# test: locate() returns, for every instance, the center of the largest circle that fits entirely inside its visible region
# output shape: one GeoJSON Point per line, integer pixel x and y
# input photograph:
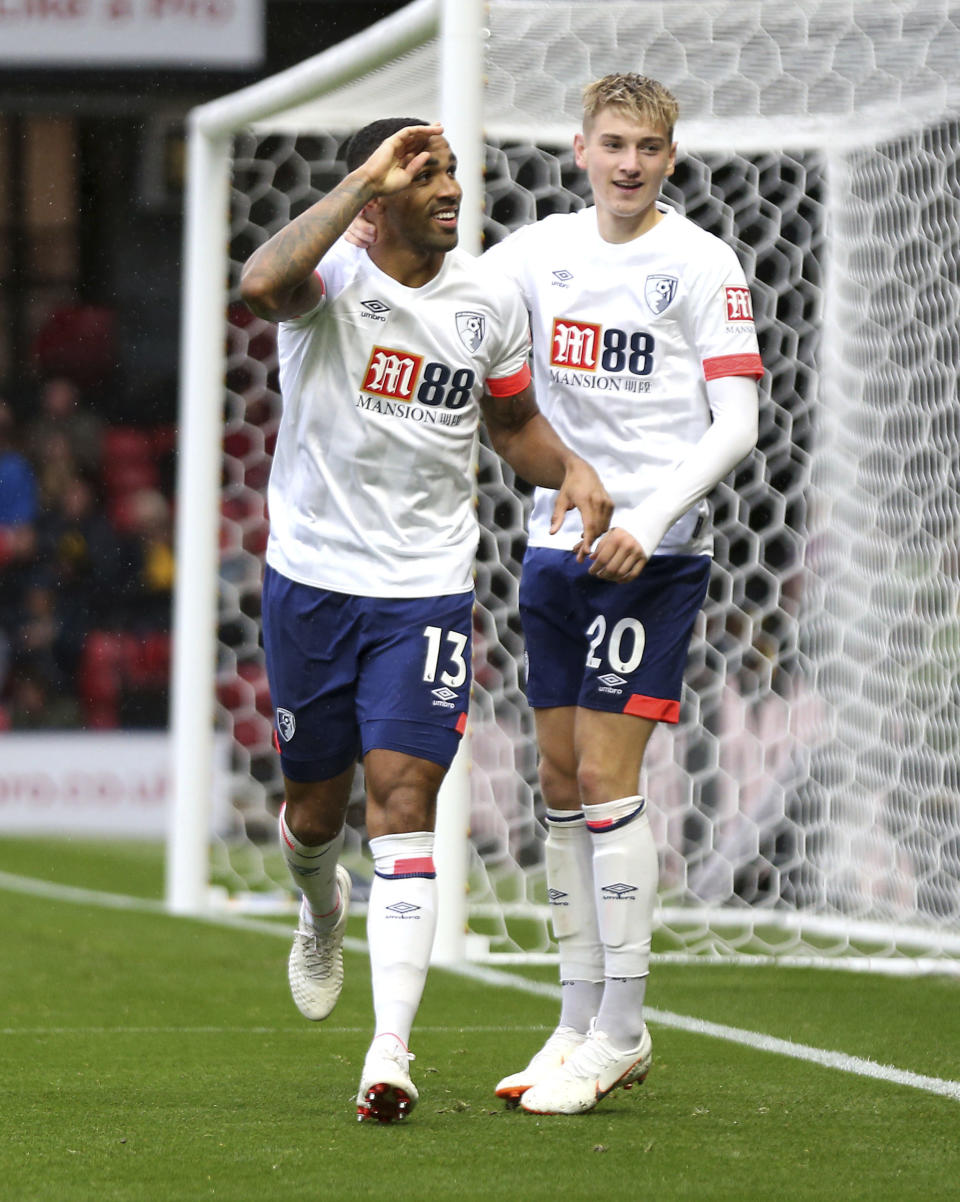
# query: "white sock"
{"type": "Point", "coordinates": [401, 921]}
{"type": "Point", "coordinates": [569, 861]}
{"type": "Point", "coordinates": [626, 874]}
{"type": "Point", "coordinates": [621, 1010]}
{"type": "Point", "coordinates": [314, 872]}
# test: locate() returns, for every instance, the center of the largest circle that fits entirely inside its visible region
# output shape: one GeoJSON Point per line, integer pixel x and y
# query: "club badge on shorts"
{"type": "Point", "coordinates": [286, 724]}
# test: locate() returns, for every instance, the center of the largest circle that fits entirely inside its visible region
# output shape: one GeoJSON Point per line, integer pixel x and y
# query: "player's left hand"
{"type": "Point", "coordinates": [618, 557]}
{"type": "Point", "coordinates": [581, 489]}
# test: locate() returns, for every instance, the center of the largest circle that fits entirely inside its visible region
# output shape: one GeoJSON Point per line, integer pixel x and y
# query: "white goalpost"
{"type": "Point", "coordinates": [808, 804]}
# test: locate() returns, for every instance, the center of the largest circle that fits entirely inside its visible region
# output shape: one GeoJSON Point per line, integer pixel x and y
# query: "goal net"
{"type": "Point", "coordinates": [809, 801]}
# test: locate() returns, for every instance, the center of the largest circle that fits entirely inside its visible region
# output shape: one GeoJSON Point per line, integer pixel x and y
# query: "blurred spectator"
{"type": "Point", "coordinates": [60, 410]}
{"type": "Point", "coordinates": [73, 580]}
{"type": "Point", "coordinates": [55, 468]}
{"type": "Point", "coordinates": [82, 555]}
{"type": "Point", "coordinates": [18, 495]}
{"type": "Point", "coordinates": [38, 633]}
{"type": "Point", "coordinates": [149, 555]}
{"type": "Point", "coordinates": [18, 515]}
{"type": "Point", "coordinates": [38, 703]}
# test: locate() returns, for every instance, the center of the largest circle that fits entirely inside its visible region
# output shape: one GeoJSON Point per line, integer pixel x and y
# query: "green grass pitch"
{"type": "Point", "coordinates": [148, 1058]}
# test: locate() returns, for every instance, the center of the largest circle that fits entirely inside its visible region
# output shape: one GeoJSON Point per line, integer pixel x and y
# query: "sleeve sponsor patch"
{"type": "Point", "coordinates": [738, 304]}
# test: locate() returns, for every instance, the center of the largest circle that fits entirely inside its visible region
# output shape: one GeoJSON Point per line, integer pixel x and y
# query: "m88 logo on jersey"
{"type": "Point", "coordinates": [392, 373]}
{"type": "Point", "coordinates": [585, 347]}
{"type": "Point", "coordinates": [575, 344]}
{"type": "Point", "coordinates": [395, 375]}
{"type": "Point", "coordinates": [739, 306]}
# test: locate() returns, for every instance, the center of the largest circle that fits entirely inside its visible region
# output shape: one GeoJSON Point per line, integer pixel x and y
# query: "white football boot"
{"type": "Point", "coordinates": [386, 1092]}
{"type": "Point", "coordinates": [553, 1053]}
{"type": "Point", "coordinates": [315, 967]}
{"type": "Point", "coordinates": [588, 1074]}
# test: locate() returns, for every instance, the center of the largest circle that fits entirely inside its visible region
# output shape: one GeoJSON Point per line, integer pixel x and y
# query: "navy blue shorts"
{"type": "Point", "coordinates": [348, 674]}
{"type": "Point", "coordinates": [621, 648]}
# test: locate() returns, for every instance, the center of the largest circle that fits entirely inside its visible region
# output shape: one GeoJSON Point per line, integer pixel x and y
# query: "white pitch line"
{"type": "Point", "coordinates": [752, 1039]}
{"type": "Point", "coordinates": [497, 977]}
{"type": "Point", "coordinates": [296, 1028]}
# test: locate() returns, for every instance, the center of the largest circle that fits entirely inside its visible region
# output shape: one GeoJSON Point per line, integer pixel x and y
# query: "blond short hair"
{"type": "Point", "coordinates": [636, 96]}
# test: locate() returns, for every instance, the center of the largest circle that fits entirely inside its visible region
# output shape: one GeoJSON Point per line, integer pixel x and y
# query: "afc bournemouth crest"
{"type": "Point", "coordinates": [471, 327]}
{"type": "Point", "coordinates": [659, 291]}
{"type": "Point", "coordinates": [286, 724]}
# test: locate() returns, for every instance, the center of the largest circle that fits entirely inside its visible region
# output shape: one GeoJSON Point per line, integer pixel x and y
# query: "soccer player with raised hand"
{"type": "Point", "coordinates": [389, 358]}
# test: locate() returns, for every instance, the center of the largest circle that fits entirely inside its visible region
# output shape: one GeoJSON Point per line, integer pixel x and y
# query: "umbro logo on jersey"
{"type": "Point", "coordinates": [659, 291]}
{"type": "Point", "coordinates": [471, 327]}
{"type": "Point", "coordinates": [286, 724]}
{"type": "Point", "coordinates": [375, 308]}
{"type": "Point", "coordinates": [562, 277]}
{"type": "Point", "coordinates": [618, 892]}
{"type": "Point", "coordinates": [403, 909]}
{"type": "Point", "coordinates": [611, 679]}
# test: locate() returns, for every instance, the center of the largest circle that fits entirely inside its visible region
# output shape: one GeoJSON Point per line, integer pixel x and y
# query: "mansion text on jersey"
{"type": "Point", "coordinates": [586, 379]}
{"type": "Point", "coordinates": [403, 409]}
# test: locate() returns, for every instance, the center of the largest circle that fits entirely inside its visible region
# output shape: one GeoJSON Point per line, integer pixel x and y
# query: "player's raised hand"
{"type": "Point", "coordinates": [582, 489]}
{"type": "Point", "coordinates": [395, 163]}
{"type": "Point", "coordinates": [618, 556]}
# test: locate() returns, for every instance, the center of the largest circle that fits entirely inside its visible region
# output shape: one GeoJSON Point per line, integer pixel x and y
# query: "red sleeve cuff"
{"type": "Point", "coordinates": [510, 385]}
{"type": "Point", "coordinates": [732, 365]}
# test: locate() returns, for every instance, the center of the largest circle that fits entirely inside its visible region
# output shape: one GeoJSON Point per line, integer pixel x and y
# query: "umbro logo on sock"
{"type": "Point", "coordinates": [618, 892]}
{"type": "Point", "coordinates": [404, 909]}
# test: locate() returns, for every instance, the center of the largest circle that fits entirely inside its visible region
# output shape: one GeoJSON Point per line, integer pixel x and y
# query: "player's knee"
{"type": "Point", "coordinates": [558, 785]}
{"type": "Point", "coordinates": [310, 819]}
{"type": "Point", "coordinates": [595, 782]}
{"type": "Point", "coordinates": [401, 808]}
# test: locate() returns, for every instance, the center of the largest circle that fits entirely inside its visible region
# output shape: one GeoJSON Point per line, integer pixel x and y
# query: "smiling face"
{"type": "Point", "coordinates": [626, 159]}
{"type": "Point", "coordinates": [424, 216]}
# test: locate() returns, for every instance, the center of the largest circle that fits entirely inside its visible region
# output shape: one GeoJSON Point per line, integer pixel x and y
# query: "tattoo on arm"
{"type": "Point", "coordinates": [304, 242]}
{"type": "Point", "coordinates": [276, 273]}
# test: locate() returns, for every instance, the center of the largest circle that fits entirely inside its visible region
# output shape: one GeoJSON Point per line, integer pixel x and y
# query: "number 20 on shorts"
{"type": "Point", "coordinates": [624, 647]}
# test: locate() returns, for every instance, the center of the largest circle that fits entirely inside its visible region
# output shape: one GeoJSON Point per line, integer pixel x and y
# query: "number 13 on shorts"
{"type": "Point", "coordinates": [454, 645]}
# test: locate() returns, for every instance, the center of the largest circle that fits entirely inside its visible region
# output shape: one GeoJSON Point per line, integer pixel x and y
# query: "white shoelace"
{"type": "Point", "coordinates": [319, 953]}
{"type": "Point", "coordinates": [594, 1055]}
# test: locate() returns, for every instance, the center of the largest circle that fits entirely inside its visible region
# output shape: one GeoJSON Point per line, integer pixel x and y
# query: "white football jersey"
{"type": "Point", "coordinates": [625, 336]}
{"type": "Point", "coordinates": [371, 488]}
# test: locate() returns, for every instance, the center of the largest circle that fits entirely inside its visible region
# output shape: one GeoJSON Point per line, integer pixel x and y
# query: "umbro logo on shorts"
{"type": "Point", "coordinates": [557, 897]}
{"type": "Point", "coordinates": [611, 679]}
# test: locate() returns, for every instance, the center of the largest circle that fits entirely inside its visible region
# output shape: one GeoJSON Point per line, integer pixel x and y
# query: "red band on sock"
{"type": "Point", "coordinates": [413, 866]}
